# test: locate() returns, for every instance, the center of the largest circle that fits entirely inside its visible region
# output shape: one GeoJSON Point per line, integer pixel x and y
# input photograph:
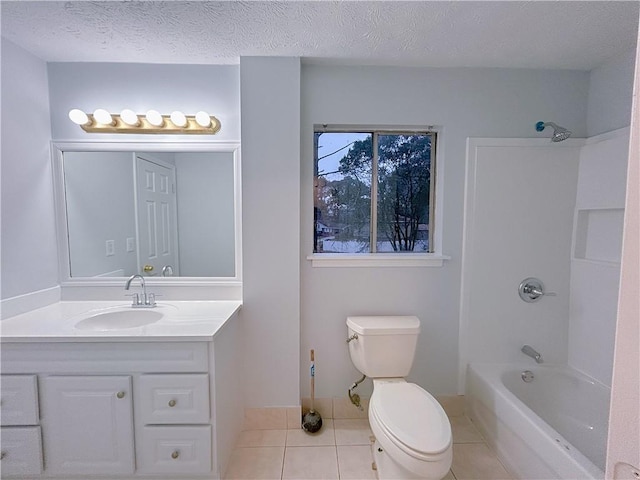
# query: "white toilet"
{"type": "Point", "coordinates": [412, 431]}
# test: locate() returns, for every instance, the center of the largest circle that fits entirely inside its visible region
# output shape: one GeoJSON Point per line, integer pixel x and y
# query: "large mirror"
{"type": "Point", "coordinates": [166, 211]}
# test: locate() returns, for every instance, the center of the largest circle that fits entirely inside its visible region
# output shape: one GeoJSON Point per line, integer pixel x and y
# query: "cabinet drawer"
{"type": "Point", "coordinates": [172, 399]}
{"type": "Point", "coordinates": [21, 451]}
{"type": "Point", "coordinates": [18, 400]}
{"type": "Point", "coordinates": [179, 450]}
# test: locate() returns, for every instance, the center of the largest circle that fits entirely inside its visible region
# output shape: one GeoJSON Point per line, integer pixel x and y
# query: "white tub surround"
{"type": "Point", "coordinates": [158, 401]}
{"type": "Point", "coordinates": [534, 240]}
{"type": "Point", "coordinates": [554, 427]}
{"type": "Point", "coordinates": [596, 253]}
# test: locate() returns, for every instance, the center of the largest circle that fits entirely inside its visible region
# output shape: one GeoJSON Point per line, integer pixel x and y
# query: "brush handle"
{"type": "Point", "coordinates": [313, 377]}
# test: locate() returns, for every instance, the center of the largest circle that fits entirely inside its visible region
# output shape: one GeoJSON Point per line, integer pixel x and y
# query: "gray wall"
{"type": "Point", "coordinates": [29, 252]}
{"type": "Point", "coordinates": [141, 87]}
{"type": "Point", "coordinates": [206, 214]}
{"type": "Point", "coordinates": [610, 90]}
{"type": "Point", "coordinates": [270, 89]}
{"type": "Point", "coordinates": [100, 207]}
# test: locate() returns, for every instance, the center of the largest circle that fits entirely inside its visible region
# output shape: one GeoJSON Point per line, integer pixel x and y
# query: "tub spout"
{"type": "Point", "coordinates": [529, 351]}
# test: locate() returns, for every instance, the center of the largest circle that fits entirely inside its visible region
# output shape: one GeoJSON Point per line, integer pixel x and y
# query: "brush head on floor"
{"type": "Point", "coordinates": [311, 422]}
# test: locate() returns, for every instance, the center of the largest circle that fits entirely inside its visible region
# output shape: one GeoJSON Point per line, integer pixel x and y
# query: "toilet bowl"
{"type": "Point", "coordinates": [412, 431]}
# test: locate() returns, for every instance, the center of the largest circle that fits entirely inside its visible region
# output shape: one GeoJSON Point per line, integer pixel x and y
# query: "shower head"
{"type": "Point", "coordinates": [559, 133]}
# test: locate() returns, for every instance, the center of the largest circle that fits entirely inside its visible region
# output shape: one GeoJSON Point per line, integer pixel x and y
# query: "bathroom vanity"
{"type": "Point", "coordinates": [99, 389]}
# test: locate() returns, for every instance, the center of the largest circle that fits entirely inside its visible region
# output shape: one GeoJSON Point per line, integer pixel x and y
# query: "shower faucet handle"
{"type": "Point", "coordinates": [531, 290]}
{"type": "Point", "coordinates": [535, 291]}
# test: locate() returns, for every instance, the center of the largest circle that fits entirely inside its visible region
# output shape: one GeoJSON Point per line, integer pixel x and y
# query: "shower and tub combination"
{"type": "Point", "coordinates": [536, 370]}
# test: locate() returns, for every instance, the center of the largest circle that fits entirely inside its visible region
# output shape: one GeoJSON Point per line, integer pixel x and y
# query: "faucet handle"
{"type": "Point", "coordinates": [135, 299]}
{"type": "Point", "coordinates": [150, 300]}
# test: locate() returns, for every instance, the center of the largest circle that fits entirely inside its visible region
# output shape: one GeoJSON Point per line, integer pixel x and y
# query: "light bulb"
{"type": "Point", "coordinates": [154, 118]}
{"type": "Point", "coordinates": [203, 119]}
{"type": "Point", "coordinates": [129, 117]}
{"type": "Point", "coordinates": [178, 119]}
{"type": "Point", "coordinates": [103, 117]}
{"type": "Point", "coordinates": [78, 117]}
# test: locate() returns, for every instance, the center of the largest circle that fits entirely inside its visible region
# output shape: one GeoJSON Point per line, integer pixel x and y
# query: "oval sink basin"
{"type": "Point", "coordinates": [119, 320]}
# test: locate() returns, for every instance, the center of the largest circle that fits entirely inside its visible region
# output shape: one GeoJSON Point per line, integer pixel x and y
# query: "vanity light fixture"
{"type": "Point", "coordinates": [101, 121]}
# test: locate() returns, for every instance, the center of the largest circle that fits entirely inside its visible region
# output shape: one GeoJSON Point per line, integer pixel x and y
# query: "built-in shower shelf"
{"type": "Point", "coordinates": [598, 235]}
{"type": "Point", "coordinates": [604, 263]}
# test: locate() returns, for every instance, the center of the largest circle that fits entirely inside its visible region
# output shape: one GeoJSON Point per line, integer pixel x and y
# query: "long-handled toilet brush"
{"type": "Point", "coordinates": [312, 421]}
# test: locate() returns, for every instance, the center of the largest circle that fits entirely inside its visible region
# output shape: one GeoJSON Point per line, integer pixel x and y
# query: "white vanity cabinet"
{"type": "Point", "coordinates": [120, 409]}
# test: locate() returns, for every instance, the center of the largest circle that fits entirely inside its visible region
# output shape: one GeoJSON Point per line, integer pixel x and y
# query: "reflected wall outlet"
{"type": "Point", "coordinates": [110, 247]}
{"type": "Point", "coordinates": [131, 244]}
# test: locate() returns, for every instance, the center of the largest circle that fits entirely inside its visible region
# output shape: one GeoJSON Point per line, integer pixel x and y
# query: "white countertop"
{"type": "Point", "coordinates": [181, 321]}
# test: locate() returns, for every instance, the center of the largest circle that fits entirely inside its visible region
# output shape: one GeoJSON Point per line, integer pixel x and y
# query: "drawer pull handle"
{"type": "Point", "coordinates": [120, 394]}
{"type": "Point", "coordinates": [175, 454]}
{"type": "Point", "coordinates": [172, 403]}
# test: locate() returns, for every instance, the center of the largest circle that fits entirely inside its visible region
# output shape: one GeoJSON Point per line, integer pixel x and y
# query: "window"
{"type": "Point", "coordinates": [395, 169]}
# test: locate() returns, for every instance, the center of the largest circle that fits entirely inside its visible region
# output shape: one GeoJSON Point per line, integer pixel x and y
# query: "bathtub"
{"type": "Point", "coordinates": [554, 427]}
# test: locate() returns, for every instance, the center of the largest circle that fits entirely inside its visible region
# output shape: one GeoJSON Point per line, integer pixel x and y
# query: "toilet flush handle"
{"type": "Point", "coordinates": [352, 337]}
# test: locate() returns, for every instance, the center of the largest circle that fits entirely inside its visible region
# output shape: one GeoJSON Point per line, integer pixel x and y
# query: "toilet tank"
{"type": "Point", "coordinates": [385, 345]}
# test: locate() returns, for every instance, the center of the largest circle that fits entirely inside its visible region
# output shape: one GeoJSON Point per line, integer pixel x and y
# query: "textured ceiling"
{"type": "Point", "coordinates": [527, 34]}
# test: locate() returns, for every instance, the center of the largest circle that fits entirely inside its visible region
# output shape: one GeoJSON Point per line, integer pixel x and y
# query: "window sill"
{"type": "Point", "coordinates": [377, 260]}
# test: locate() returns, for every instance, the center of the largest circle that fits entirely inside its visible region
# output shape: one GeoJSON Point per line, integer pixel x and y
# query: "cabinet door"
{"type": "Point", "coordinates": [87, 424]}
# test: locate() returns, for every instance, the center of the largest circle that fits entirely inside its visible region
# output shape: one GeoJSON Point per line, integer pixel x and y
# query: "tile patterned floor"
{"type": "Point", "coordinates": [341, 451]}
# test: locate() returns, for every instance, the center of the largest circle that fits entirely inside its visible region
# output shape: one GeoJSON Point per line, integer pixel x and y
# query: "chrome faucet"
{"type": "Point", "coordinates": [146, 301]}
{"type": "Point", "coordinates": [167, 271]}
{"type": "Point", "coordinates": [529, 351]}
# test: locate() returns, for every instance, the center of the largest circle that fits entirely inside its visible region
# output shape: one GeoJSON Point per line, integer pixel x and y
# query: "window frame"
{"type": "Point", "coordinates": [433, 258]}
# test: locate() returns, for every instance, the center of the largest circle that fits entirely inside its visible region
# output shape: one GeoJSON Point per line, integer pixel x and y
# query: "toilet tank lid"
{"type": "Point", "coordinates": [384, 325]}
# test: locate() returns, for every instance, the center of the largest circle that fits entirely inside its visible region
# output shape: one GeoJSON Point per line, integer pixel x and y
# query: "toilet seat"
{"type": "Point", "coordinates": [411, 419]}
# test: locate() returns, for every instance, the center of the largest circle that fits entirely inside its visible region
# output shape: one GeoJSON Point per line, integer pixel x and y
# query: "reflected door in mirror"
{"type": "Point", "coordinates": [157, 223]}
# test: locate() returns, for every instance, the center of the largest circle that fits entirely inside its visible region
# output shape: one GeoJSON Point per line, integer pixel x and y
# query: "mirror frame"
{"type": "Point", "coordinates": [64, 264]}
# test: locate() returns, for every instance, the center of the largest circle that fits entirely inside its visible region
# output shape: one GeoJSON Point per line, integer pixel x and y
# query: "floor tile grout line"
{"type": "Point", "coordinates": [284, 455]}
{"type": "Point", "coordinates": [335, 446]}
